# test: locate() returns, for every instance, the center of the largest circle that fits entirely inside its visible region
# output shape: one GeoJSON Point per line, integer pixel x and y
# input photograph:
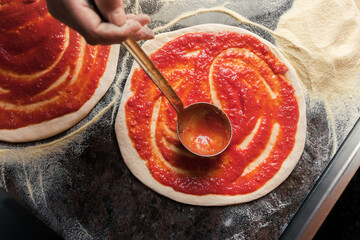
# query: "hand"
{"type": "Point", "coordinates": [81, 17]}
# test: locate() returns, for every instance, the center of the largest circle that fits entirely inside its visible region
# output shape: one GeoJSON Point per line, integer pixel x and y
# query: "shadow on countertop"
{"type": "Point", "coordinates": [343, 222]}
{"type": "Point", "coordinates": [16, 222]}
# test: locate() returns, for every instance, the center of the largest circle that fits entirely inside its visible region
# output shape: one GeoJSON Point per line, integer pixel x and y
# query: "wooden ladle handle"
{"type": "Point", "coordinates": [148, 66]}
{"type": "Point", "coordinates": [150, 69]}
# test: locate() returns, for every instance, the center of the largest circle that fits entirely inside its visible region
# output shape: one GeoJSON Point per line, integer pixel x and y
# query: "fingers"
{"type": "Point", "coordinates": [112, 10]}
{"type": "Point", "coordinates": [99, 32]}
{"type": "Point", "coordinates": [81, 17]}
{"type": "Point", "coordinates": [144, 33]}
{"type": "Point", "coordinates": [108, 33]}
{"type": "Point", "coordinates": [143, 19]}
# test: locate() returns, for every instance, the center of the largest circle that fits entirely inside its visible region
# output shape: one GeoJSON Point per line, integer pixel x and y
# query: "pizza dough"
{"type": "Point", "coordinates": [140, 167]}
{"type": "Point", "coordinates": [55, 126]}
{"type": "Point", "coordinates": [52, 69]}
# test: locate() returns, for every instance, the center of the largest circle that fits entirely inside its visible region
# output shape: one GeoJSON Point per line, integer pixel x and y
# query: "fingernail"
{"type": "Point", "coordinates": [144, 34]}
{"type": "Point", "coordinates": [149, 33]}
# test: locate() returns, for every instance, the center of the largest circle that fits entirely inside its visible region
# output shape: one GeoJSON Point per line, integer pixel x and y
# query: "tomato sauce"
{"type": "Point", "coordinates": [46, 69]}
{"type": "Point", "coordinates": [251, 86]}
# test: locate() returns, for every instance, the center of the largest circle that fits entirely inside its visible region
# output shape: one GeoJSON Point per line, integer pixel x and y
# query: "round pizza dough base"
{"type": "Point", "coordinates": [57, 125]}
{"type": "Point", "coordinates": [137, 165]}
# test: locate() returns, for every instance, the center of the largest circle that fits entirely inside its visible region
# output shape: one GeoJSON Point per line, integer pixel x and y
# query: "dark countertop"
{"type": "Point", "coordinates": [78, 184]}
{"type": "Point", "coordinates": [342, 223]}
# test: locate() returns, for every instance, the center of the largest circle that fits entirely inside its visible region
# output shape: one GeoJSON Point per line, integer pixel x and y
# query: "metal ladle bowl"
{"type": "Point", "coordinates": [203, 117]}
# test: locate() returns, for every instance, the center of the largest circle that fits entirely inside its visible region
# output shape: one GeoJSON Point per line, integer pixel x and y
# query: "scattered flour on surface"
{"type": "Point", "coordinates": [322, 41]}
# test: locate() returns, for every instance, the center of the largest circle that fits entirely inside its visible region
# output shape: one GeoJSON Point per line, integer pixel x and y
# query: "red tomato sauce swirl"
{"type": "Point", "coordinates": [46, 69]}
{"type": "Point", "coordinates": [249, 82]}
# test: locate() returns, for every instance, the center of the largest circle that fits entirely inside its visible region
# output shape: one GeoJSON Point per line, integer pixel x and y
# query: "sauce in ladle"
{"type": "Point", "coordinates": [204, 129]}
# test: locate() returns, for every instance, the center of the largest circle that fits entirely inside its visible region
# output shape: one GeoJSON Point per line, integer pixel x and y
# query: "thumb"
{"type": "Point", "coordinates": [112, 10]}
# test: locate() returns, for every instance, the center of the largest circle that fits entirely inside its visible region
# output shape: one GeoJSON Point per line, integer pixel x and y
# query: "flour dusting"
{"type": "Point", "coordinates": [323, 45]}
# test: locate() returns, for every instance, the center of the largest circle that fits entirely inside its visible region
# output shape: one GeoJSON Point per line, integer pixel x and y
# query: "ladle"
{"type": "Point", "coordinates": [203, 128]}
